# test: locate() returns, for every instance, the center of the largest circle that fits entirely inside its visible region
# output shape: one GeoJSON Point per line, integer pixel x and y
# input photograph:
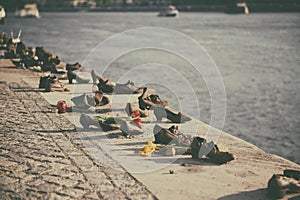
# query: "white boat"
{"type": "Point", "coordinates": [2, 14]}
{"type": "Point", "coordinates": [244, 7]}
{"type": "Point", "coordinates": [170, 11]}
{"type": "Point", "coordinates": [29, 10]}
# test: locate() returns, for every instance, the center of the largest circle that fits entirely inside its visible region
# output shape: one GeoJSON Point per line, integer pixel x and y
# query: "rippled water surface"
{"type": "Point", "coordinates": [257, 56]}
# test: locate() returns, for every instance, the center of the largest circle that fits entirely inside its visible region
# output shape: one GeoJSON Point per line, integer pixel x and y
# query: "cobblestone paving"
{"type": "Point", "coordinates": [42, 157]}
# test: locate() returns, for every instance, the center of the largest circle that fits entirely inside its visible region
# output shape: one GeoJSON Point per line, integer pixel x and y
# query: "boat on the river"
{"type": "Point", "coordinates": [29, 10]}
{"type": "Point", "coordinates": [170, 11]}
{"type": "Point", "coordinates": [235, 7]}
{"type": "Point", "coordinates": [2, 14]}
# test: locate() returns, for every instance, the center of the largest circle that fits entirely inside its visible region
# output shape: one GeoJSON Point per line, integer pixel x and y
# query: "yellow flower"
{"type": "Point", "coordinates": [148, 149]}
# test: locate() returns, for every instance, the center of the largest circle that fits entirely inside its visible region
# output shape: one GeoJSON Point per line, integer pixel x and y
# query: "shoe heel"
{"type": "Point", "coordinates": [159, 113]}
{"type": "Point", "coordinates": [70, 77]}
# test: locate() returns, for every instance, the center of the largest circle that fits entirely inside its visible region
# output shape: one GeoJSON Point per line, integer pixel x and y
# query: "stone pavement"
{"type": "Point", "coordinates": [42, 157]}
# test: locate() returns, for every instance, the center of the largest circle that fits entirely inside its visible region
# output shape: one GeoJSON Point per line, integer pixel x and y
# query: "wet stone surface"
{"type": "Point", "coordinates": [42, 158]}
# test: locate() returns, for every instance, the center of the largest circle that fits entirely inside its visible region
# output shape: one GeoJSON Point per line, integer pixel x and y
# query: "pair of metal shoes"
{"type": "Point", "coordinates": [147, 101]}
{"type": "Point", "coordinates": [89, 100]}
{"type": "Point", "coordinates": [52, 84]}
{"type": "Point", "coordinates": [171, 136]}
{"type": "Point", "coordinates": [202, 149]}
{"type": "Point", "coordinates": [73, 75]}
{"type": "Point", "coordinates": [153, 102]}
{"type": "Point", "coordinates": [164, 112]}
{"type": "Point", "coordinates": [281, 184]}
{"type": "Point", "coordinates": [125, 126]}
{"type": "Point", "coordinates": [118, 88]}
{"type": "Point", "coordinates": [110, 87]}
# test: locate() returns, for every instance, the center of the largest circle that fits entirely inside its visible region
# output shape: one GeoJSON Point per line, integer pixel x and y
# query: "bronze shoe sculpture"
{"type": "Point", "coordinates": [202, 149]}
{"type": "Point", "coordinates": [163, 112]}
{"type": "Point", "coordinates": [281, 184]}
{"type": "Point", "coordinates": [87, 121]}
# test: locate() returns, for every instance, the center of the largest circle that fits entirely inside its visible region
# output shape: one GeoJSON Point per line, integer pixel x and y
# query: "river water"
{"type": "Point", "coordinates": [257, 56]}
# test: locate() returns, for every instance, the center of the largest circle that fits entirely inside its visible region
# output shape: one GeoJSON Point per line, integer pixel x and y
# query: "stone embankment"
{"type": "Point", "coordinates": [45, 155]}
{"type": "Point", "coordinates": [42, 157]}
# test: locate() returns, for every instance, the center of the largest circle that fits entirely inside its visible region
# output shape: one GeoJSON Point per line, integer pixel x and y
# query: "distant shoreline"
{"type": "Point", "coordinates": [261, 8]}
